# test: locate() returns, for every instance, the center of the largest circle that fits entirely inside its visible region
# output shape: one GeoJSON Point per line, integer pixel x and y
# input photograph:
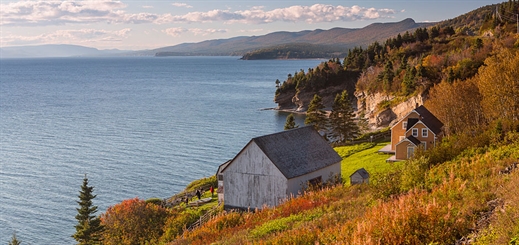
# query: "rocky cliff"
{"type": "Point", "coordinates": [382, 110]}
{"type": "Point", "coordinates": [379, 109]}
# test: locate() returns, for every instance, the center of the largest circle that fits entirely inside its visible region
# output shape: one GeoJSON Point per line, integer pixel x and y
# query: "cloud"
{"type": "Point", "coordinates": [147, 7]}
{"type": "Point", "coordinates": [60, 12]}
{"type": "Point", "coordinates": [185, 5]}
{"type": "Point", "coordinates": [85, 36]}
{"type": "Point", "coordinates": [177, 31]}
{"type": "Point", "coordinates": [112, 11]}
{"type": "Point", "coordinates": [257, 15]}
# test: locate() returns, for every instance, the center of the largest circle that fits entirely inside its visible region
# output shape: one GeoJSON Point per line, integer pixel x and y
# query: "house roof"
{"type": "Point", "coordinates": [411, 122]}
{"type": "Point", "coordinates": [429, 119]}
{"type": "Point", "coordinates": [363, 173]}
{"type": "Point", "coordinates": [413, 140]}
{"type": "Point", "coordinates": [297, 151]}
{"type": "Point", "coordinates": [222, 166]}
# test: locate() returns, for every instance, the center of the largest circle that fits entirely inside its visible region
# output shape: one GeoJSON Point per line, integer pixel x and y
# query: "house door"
{"type": "Point", "coordinates": [410, 151]}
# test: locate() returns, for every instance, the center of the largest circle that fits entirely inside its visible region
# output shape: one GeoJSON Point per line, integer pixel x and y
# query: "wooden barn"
{"type": "Point", "coordinates": [272, 168]}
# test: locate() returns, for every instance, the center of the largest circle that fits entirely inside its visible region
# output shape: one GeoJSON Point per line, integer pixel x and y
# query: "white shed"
{"type": "Point", "coordinates": [359, 177]}
{"type": "Point", "coordinates": [272, 168]}
{"type": "Point", "coordinates": [219, 178]}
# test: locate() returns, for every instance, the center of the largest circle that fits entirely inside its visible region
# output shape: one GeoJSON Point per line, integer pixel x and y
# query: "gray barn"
{"type": "Point", "coordinates": [272, 168]}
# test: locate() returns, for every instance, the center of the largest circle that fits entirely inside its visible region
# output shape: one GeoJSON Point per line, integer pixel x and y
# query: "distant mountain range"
{"type": "Point", "coordinates": [55, 50]}
{"type": "Point", "coordinates": [333, 40]}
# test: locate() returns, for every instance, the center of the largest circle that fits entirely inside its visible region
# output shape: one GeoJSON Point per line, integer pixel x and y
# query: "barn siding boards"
{"type": "Point", "coordinates": [272, 168]}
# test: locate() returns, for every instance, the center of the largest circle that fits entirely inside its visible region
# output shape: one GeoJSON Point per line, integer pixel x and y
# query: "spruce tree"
{"type": "Point", "coordinates": [291, 122]}
{"type": "Point", "coordinates": [315, 114]}
{"type": "Point", "coordinates": [89, 228]}
{"type": "Point", "coordinates": [14, 240]}
{"type": "Point", "coordinates": [342, 119]}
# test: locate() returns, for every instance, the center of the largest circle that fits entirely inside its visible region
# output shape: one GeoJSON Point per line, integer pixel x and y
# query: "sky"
{"type": "Point", "coordinates": [138, 24]}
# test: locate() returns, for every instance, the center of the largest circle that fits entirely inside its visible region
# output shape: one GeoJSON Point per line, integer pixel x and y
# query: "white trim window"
{"type": "Point", "coordinates": [404, 125]}
{"type": "Point", "coordinates": [425, 132]}
{"type": "Point", "coordinates": [415, 132]}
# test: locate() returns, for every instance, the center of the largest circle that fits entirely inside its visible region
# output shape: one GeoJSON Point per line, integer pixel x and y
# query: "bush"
{"type": "Point", "coordinates": [133, 221]}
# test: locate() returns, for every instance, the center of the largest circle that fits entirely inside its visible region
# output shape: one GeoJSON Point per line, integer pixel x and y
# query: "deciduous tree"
{"type": "Point", "coordinates": [457, 105]}
{"type": "Point", "coordinates": [498, 82]}
{"type": "Point", "coordinates": [89, 228]}
{"type": "Point", "coordinates": [133, 221]}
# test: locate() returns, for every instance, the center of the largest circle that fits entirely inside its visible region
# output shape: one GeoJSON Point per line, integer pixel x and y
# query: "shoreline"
{"type": "Point", "coordinates": [284, 110]}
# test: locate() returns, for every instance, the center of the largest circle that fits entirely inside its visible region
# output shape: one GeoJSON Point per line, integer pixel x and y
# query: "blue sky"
{"type": "Point", "coordinates": [136, 24]}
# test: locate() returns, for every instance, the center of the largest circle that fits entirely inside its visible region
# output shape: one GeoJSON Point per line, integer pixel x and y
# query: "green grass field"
{"type": "Point", "coordinates": [363, 156]}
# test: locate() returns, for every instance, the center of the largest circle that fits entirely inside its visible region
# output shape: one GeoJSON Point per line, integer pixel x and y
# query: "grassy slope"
{"type": "Point", "coordinates": [363, 156]}
{"type": "Point", "coordinates": [453, 197]}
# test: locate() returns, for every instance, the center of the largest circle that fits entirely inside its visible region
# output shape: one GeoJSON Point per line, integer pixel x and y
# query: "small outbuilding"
{"type": "Point", "coordinates": [360, 176]}
{"type": "Point", "coordinates": [272, 168]}
{"type": "Point", "coordinates": [219, 178]}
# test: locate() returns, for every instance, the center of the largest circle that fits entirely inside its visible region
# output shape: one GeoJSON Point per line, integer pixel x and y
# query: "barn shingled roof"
{"type": "Point", "coordinates": [298, 151]}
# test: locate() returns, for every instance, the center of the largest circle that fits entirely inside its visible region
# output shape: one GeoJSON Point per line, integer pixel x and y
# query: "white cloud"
{"type": "Point", "coordinates": [84, 36]}
{"type": "Point", "coordinates": [297, 13]}
{"type": "Point", "coordinates": [112, 11]}
{"type": "Point", "coordinates": [177, 31]}
{"type": "Point", "coordinates": [60, 12]}
{"type": "Point", "coordinates": [205, 32]}
{"type": "Point", "coordinates": [185, 5]}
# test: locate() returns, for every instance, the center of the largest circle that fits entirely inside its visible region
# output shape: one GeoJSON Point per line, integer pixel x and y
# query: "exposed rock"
{"type": "Point", "coordinates": [369, 105]}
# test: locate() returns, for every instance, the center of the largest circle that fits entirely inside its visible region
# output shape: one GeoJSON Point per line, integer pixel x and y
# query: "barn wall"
{"type": "Point", "coordinates": [297, 184]}
{"type": "Point", "coordinates": [252, 180]}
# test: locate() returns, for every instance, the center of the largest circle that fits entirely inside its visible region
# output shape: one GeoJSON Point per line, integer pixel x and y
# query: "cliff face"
{"type": "Point", "coordinates": [291, 101]}
{"type": "Point", "coordinates": [369, 105]}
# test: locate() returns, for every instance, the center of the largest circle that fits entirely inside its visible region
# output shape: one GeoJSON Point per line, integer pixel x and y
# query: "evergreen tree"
{"type": "Point", "coordinates": [315, 114]}
{"type": "Point", "coordinates": [388, 76]}
{"type": "Point", "coordinates": [291, 122]}
{"type": "Point", "coordinates": [342, 119]}
{"type": "Point", "coordinates": [89, 228]}
{"type": "Point", "coordinates": [14, 240]}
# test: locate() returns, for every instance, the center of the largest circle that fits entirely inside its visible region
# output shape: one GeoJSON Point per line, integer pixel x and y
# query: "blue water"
{"type": "Point", "coordinates": [139, 127]}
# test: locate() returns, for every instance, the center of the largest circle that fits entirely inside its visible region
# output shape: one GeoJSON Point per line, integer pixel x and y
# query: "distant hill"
{"type": "Point", "coordinates": [333, 39]}
{"type": "Point", "coordinates": [54, 50]}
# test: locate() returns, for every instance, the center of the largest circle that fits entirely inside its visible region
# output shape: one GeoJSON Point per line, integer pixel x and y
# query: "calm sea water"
{"type": "Point", "coordinates": [139, 127]}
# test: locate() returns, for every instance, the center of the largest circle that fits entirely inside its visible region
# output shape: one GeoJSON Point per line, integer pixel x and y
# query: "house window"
{"type": "Point", "coordinates": [404, 125]}
{"type": "Point", "coordinates": [220, 177]}
{"type": "Point", "coordinates": [425, 132]}
{"type": "Point", "coordinates": [415, 132]}
{"type": "Point", "coordinates": [423, 145]}
{"type": "Point", "coordinates": [315, 181]}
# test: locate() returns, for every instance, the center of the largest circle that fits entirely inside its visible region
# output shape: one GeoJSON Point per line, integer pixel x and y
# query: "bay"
{"type": "Point", "coordinates": [138, 126]}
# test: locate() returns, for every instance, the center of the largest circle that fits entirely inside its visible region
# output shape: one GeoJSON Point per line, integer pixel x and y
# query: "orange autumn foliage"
{"type": "Point", "coordinates": [133, 221]}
